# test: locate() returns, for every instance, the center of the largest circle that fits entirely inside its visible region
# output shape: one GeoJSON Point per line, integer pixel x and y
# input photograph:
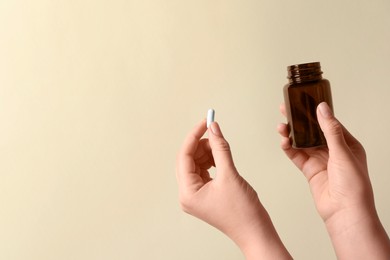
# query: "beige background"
{"type": "Point", "coordinates": [97, 96]}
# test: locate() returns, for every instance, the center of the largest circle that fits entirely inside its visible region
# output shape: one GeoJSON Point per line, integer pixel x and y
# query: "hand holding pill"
{"type": "Point", "coordinates": [227, 201]}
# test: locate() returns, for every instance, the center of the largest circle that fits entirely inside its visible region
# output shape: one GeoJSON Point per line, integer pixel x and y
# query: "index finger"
{"type": "Point", "coordinates": [282, 109]}
{"type": "Point", "coordinates": [185, 159]}
{"type": "Point", "coordinates": [191, 142]}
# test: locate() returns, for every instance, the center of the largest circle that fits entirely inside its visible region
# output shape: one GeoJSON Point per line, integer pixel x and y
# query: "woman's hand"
{"type": "Point", "coordinates": [341, 188]}
{"type": "Point", "coordinates": [226, 201]}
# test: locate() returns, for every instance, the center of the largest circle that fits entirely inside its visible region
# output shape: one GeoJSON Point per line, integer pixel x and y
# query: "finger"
{"type": "Point", "coordinates": [191, 142]}
{"type": "Point", "coordinates": [203, 149]}
{"type": "Point", "coordinates": [204, 159]}
{"type": "Point", "coordinates": [206, 165]}
{"type": "Point", "coordinates": [221, 151]}
{"type": "Point", "coordinates": [282, 109]}
{"type": "Point", "coordinates": [298, 157]}
{"type": "Point", "coordinates": [186, 173]}
{"type": "Point", "coordinates": [333, 131]}
{"type": "Point", "coordinates": [283, 130]}
{"type": "Point", "coordinates": [203, 155]}
{"type": "Point", "coordinates": [284, 133]}
{"type": "Point", "coordinates": [204, 174]}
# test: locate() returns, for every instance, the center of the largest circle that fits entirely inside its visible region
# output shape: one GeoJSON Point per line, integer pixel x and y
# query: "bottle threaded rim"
{"type": "Point", "coordinates": [305, 72]}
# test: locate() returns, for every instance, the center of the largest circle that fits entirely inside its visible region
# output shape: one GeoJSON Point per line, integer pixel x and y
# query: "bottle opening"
{"type": "Point", "coordinates": [305, 72]}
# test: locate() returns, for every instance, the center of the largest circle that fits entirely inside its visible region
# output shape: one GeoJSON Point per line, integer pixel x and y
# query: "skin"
{"type": "Point", "coordinates": [226, 202]}
{"type": "Point", "coordinates": [337, 176]}
{"type": "Point", "coordinates": [339, 182]}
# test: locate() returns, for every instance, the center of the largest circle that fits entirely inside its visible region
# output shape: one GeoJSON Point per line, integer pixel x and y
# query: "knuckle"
{"type": "Point", "coordinates": [334, 127]}
{"type": "Point", "coordinates": [223, 145]}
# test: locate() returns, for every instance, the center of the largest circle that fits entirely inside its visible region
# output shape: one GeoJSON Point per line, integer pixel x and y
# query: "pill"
{"type": "Point", "coordinates": [210, 117]}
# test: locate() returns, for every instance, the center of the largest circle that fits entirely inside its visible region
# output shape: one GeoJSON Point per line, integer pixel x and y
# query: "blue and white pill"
{"type": "Point", "coordinates": [210, 117]}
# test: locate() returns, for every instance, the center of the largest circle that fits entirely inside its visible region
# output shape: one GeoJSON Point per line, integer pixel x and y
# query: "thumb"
{"type": "Point", "coordinates": [333, 130]}
{"type": "Point", "coordinates": [221, 150]}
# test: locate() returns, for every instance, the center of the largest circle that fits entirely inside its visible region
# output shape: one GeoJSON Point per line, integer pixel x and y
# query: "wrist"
{"type": "Point", "coordinates": [267, 247]}
{"type": "Point", "coordinates": [259, 240]}
{"type": "Point", "coordinates": [348, 220]}
{"type": "Point", "coordinates": [358, 234]}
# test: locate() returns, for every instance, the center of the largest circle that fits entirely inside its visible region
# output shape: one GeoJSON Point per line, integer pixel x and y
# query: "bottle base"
{"type": "Point", "coordinates": [309, 146]}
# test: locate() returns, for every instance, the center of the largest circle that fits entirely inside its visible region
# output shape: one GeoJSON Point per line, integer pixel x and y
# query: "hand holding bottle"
{"type": "Point", "coordinates": [341, 188]}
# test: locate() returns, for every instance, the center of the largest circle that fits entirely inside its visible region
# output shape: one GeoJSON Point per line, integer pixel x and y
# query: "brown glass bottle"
{"type": "Point", "coordinates": [304, 92]}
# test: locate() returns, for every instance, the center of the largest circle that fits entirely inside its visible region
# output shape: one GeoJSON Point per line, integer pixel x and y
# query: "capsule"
{"type": "Point", "coordinates": [210, 117]}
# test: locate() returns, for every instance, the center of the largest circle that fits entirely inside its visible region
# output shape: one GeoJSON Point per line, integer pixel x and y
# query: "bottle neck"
{"type": "Point", "coordinates": [306, 72]}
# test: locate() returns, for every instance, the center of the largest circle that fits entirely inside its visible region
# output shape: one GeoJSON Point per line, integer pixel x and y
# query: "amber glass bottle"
{"type": "Point", "coordinates": [304, 92]}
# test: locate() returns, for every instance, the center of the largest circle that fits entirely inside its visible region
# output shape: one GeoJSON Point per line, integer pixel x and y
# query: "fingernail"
{"type": "Point", "coordinates": [325, 110]}
{"type": "Point", "coordinates": [215, 129]}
